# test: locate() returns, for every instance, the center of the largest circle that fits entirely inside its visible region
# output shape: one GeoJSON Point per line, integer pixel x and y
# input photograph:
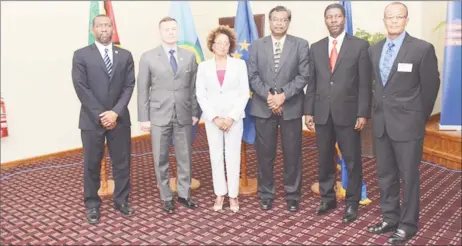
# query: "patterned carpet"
{"type": "Point", "coordinates": [44, 206]}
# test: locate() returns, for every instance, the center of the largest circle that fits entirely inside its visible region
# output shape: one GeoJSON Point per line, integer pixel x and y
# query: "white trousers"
{"type": "Point", "coordinates": [231, 142]}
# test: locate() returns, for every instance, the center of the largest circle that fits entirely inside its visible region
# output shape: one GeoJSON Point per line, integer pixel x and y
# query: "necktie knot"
{"type": "Point", "coordinates": [106, 50]}
{"type": "Point", "coordinates": [334, 42]}
{"type": "Point", "coordinates": [172, 52]}
{"type": "Point", "coordinates": [391, 45]}
{"type": "Point", "coordinates": [278, 44]}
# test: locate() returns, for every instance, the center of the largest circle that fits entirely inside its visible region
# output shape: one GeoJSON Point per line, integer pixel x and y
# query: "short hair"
{"type": "Point", "coordinates": [100, 15]}
{"type": "Point", "coordinates": [226, 30]}
{"type": "Point", "coordinates": [167, 18]}
{"type": "Point", "coordinates": [397, 3]}
{"type": "Point", "coordinates": [335, 6]}
{"type": "Point", "coordinates": [280, 9]}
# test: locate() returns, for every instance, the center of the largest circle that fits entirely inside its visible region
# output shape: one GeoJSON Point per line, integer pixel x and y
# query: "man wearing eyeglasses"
{"type": "Point", "coordinates": [278, 72]}
{"type": "Point", "coordinates": [337, 105]}
{"type": "Point", "coordinates": [407, 83]}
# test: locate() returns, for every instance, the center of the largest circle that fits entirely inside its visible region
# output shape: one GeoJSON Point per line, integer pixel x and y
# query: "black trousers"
{"type": "Point", "coordinates": [266, 146]}
{"type": "Point", "coordinates": [394, 160]}
{"type": "Point", "coordinates": [350, 145]}
{"type": "Point", "coordinates": [119, 146]}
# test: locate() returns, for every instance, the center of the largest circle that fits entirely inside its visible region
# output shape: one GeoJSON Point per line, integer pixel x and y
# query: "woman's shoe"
{"type": "Point", "coordinates": [234, 204]}
{"type": "Point", "coordinates": [218, 203]}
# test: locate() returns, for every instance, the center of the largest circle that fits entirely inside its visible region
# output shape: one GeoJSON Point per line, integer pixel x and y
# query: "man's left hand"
{"type": "Point", "coordinates": [360, 123]}
{"type": "Point", "coordinates": [108, 118]}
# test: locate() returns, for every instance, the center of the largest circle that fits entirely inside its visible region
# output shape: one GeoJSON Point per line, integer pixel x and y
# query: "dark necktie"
{"type": "Point", "coordinates": [173, 61]}
{"type": "Point", "coordinates": [108, 62]}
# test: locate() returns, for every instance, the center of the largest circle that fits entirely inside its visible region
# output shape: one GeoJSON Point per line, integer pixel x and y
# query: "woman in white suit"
{"type": "Point", "coordinates": [222, 90]}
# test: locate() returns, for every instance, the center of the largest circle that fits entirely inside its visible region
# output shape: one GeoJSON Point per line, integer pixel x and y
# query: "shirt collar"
{"type": "Point", "coordinates": [339, 38]}
{"type": "Point", "coordinates": [280, 40]}
{"type": "Point", "coordinates": [398, 40]}
{"type": "Point", "coordinates": [167, 49]}
{"type": "Point", "coordinates": [102, 46]}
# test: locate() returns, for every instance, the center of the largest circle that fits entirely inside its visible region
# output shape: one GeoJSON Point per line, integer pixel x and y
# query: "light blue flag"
{"type": "Point", "coordinates": [344, 169]}
{"type": "Point", "coordinates": [246, 32]}
{"type": "Point", "coordinates": [187, 36]}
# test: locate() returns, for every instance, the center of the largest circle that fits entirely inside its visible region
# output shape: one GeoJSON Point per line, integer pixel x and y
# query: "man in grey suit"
{"type": "Point", "coordinates": [407, 83]}
{"type": "Point", "coordinates": [103, 77]}
{"type": "Point", "coordinates": [167, 106]}
{"type": "Point", "coordinates": [337, 101]}
{"type": "Point", "coordinates": [278, 72]}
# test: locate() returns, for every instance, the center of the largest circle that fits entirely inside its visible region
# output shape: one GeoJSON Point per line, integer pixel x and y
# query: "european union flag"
{"type": "Point", "coordinates": [246, 32]}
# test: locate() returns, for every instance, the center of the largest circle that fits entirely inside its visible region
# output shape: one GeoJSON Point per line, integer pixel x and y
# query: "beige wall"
{"type": "Point", "coordinates": [38, 39]}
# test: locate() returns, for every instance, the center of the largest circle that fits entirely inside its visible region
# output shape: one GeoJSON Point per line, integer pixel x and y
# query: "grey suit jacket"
{"type": "Point", "coordinates": [160, 91]}
{"type": "Point", "coordinates": [346, 92]}
{"type": "Point", "coordinates": [291, 78]}
{"type": "Point", "coordinates": [404, 105]}
{"type": "Point", "coordinates": [96, 91]}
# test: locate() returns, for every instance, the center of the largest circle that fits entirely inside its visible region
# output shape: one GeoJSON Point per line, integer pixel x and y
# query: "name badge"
{"type": "Point", "coordinates": [405, 67]}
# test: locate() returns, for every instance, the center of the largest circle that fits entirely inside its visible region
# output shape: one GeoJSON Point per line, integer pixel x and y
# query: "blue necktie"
{"type": "Point", "coordinates": [173, 61]}
{"type": "Point", "coordinates": [108, 62]}
{"type": "Point", "coordinates": [387, 63]}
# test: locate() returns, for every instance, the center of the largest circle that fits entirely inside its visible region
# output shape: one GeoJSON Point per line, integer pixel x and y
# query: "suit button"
{"type": "Point", "coordinates": [331, 83]}
{"type": "Point", "coordinates": [383, 96]}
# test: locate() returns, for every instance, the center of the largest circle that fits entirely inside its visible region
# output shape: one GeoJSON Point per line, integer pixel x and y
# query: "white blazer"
{"type": "Point", "coordinates": [227, 100]}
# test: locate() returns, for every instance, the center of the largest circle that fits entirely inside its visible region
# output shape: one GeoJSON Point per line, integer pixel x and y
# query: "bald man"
{"type": "Point", "coordinates": [406, 72]}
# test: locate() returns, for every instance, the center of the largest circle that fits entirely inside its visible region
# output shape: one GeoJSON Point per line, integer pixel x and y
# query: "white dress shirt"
{"type": "Point", "coordinates": [102, 48]}
{"type": "Point", "coordinates": [339, 39]}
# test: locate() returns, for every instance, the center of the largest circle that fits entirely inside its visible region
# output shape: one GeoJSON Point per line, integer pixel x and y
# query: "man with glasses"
{"type": "Point", "coordinates": [337, 102]}
{"type": "Point", "coordinates": [278, 72]}
{"type": "Point", "coordinates": [407, 83]}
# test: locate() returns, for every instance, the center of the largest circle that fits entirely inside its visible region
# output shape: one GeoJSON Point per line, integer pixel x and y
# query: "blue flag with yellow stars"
{"type": "Point", "coordinates": [246, 33]}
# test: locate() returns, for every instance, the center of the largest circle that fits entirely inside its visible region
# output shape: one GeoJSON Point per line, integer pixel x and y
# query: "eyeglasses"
{"type": "Point", "coordinates": [399, 17]}
{"type": "Point", "coordinates": [222, 44]}
{"type": "Point", "coordinates": [284, 20]}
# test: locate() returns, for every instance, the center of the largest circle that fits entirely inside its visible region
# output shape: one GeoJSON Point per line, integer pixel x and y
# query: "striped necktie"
{"type": "Point", "coordinates": [387, 63]}
{"type": "Point", "coordinates": [108, 62]}
{"type": "Point", "coordinates": [277, 55]}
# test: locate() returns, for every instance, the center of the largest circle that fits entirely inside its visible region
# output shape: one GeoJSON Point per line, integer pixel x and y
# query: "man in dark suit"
{"type": "Point", "coordinates": [407, 83]}
{"type": "Point", "coordinates": [103, 77]}
{"type": "Point", "coordinates": [337, 102]}
{"type": "Point", "coordinates": [278, 72]}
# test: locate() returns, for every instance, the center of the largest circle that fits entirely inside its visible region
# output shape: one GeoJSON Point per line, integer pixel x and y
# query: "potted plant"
{"type": "Point", "coordinates": [367, 136]}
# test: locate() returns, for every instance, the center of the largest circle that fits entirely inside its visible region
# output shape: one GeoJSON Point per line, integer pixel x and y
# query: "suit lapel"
{"type": "Point", "coordinates": [377, 55]}
{"type": "Point", "coordinates": [324, 54]}
{"type": "Point", "coordinates": [162, 57]}
{"type": "Point", "coordinates": [269, 51]}
{"type": "Point", "coordinates": [180, 61]}
{"type": "Point", "coordinates": [115, 59]}
{"type": "Point", "coordinates": [343, 50]}
{"type": "Point", "coordinates": [97, 56]}
{"type": "Point", "coordinates": [286, 49]}
{"type": "Point", "coordinates": [401, 54]}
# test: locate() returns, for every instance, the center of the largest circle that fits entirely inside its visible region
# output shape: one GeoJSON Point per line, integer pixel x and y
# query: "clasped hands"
{"type": "Point", "coordinates": [108, 119]}
{"type": "Point", "coordinates": [275, 103]}
{"type": "Point", "coordinates": [223, 123]}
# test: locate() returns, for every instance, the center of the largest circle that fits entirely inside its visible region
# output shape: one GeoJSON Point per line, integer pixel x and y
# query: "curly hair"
{"type": "Point", "coordinates": [226, 30]}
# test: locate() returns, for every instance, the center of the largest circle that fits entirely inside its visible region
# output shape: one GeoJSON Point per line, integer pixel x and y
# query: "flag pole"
{"type": "Point", "coordinates": [247, 186]}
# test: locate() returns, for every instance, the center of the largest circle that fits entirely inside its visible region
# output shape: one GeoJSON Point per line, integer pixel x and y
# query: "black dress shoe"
{"type": "Point", "coordinates": [266, 204]}
{"type": "Point", "coordinates": [124, 209]}
{"type": "Point", "coordinates": [169, 207]}
{"type": "Point", "coordinates": [381, 228]}
{"type": "Point", "coordinates": [325, 207]}
{"type": "Point", "coordinates": [292, 205]}
{"type": "Point", "coordinates": [351, 214]}
{"type": "Point", "coordinates": [187, 202]}
{"type": "Point", "coordinates": [399, 237]}
{"type": "Point", "coordinates": [93, 215]}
